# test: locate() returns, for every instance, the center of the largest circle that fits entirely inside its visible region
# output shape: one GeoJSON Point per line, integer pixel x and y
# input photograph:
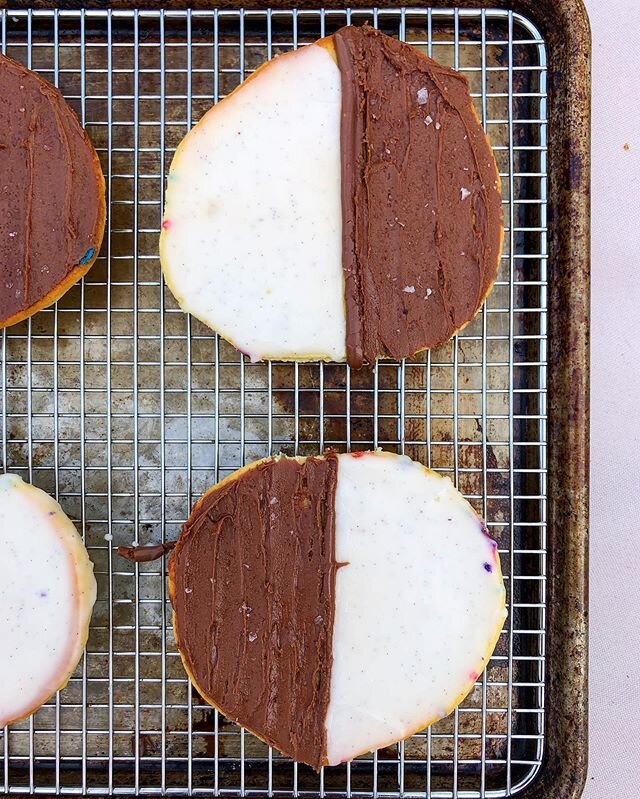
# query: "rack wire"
{"type": "Point", "coordinates": [126, 410]}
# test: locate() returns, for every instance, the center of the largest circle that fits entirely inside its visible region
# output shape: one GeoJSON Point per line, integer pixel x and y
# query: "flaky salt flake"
{"type": "Point", "coordinates": [428, 294]}
{"type": "Point", "coordinates": [438, 126]}
{"type": "Point", "coordinates": [428, 120]}
{"type": "Point", "coordinates": [409, 289]}
{"type": "Point", "coordinates": [464, 193]}
{"type": "Point", "coordinates": [252, 637]}
{"type": "Point", "coordinates": [423, 96]}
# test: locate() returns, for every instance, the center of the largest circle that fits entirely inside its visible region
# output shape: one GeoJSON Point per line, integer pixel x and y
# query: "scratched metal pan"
{"type": "Point", "coordinates": [126, 410]}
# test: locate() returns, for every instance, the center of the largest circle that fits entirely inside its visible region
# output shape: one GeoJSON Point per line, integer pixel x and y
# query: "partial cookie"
{"type": "Point", "coordinates": [333, 605]}
{"type": "Point", "coordinates": [342, 204]}
{"type": "Point", "coordinates": [47, 593]}
{"type": "Point", "coordinates": [52, 204]}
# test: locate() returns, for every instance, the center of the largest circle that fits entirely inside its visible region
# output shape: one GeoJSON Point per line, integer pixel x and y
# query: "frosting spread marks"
{"type": "Point", "coordinates": [252, 584]}
{"type": "Point", "coordinates": [51, 193]}
{"type": "Point", "coordinates": [421, 206]}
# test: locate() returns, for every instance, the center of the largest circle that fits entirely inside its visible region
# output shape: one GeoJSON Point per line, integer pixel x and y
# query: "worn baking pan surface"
{"type": "Point", "coordinates": [125, 409]}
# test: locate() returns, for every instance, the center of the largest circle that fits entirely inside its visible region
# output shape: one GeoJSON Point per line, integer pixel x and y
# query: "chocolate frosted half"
{"type": "Point", "coordinates": [51, 194]}
{"type": "Point", "coordinates": [421, 206]}
{"type": "Point", "coordinates": [252, 584]}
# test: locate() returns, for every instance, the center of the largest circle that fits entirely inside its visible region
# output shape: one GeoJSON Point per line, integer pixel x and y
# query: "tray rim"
{"type": "Point", "coordinates": [564, 26]}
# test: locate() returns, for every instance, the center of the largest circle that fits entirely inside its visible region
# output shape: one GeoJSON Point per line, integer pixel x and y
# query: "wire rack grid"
{"type": "Point", "coordinates": [126, 410]}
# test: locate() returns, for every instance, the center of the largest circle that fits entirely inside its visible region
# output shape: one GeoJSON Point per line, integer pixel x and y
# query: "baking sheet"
{"type": "Point", "coordinates": [126, 410]}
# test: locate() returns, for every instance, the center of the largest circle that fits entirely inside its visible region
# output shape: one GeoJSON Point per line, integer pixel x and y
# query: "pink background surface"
{"type": "Point", "coordinates": [615, 405]}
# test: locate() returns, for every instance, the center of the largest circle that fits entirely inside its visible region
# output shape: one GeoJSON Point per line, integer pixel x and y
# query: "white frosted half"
{"type": "Point", "coordinates": [47, 592]}
{"type": "Point", "coordinates": [252, 234]}
{"type": "Point", "coordinates": [419, 602]}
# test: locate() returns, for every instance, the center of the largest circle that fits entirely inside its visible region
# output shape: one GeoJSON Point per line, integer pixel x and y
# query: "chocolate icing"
{"type": "Point", "coordinates": [252, 584]}
{"type": "Point", "coordinates": [422, 215]}
{"type": "Point", "coordinates": [51, 191]}
{"type": "Point", "coordinates": [147, 553]}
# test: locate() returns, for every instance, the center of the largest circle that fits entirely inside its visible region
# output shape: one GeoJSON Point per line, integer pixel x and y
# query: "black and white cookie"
{"type": "Point", "coordinates": [342, 204]}
{"type": "Point", "coordinates": [333, 605]}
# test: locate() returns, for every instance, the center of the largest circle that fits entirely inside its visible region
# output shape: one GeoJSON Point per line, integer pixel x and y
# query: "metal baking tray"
{"type": "Point", "coordinates": [125, 409]}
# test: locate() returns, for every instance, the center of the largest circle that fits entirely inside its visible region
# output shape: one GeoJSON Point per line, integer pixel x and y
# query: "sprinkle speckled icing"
{"type": "Point", "coordinates": [47, 592]}
{"type": "Point", "coordinates": [416, 610]}
{"type": "Point", "coordinates": [251, 234]}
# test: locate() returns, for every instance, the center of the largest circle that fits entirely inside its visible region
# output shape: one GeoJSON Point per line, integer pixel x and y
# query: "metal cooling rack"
{"type": "Point", "coordinates": [126, 410]}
